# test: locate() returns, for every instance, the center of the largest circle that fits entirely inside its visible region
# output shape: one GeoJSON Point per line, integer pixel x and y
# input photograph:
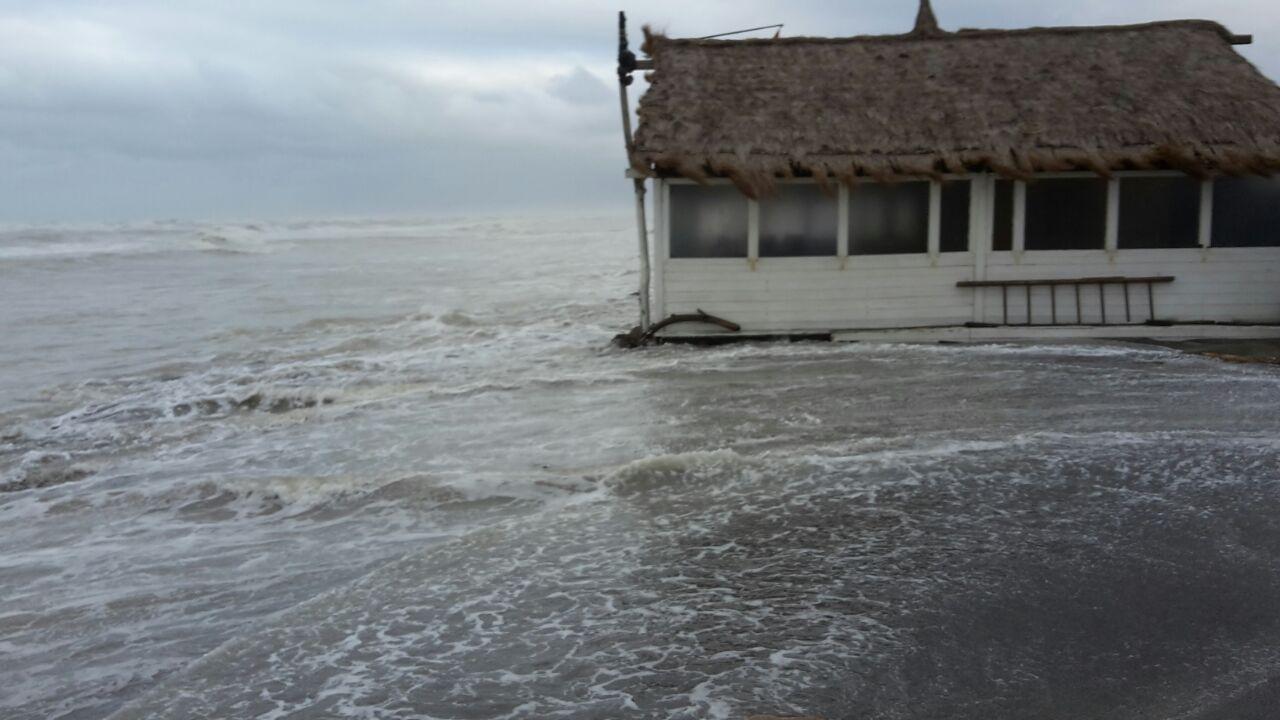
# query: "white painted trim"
{"type": "Point", "coordinates": [935, 220]}
{"type": "Point", "coordinates": [842, 230]}
{"type": "Point", "coordinates": [1112, 241]}
{"type": "Point", "coordinates": [1019, 218]}
{"type": "Point", "coordinates": [753, 233]}
{"type": "Point", "coordinates": [1206, 214]}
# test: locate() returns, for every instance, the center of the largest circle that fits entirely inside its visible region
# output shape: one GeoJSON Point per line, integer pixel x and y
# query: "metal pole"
{"type": "Point", "coordinates": [626, 118]}
{"type": "Point", "coordinates": [626, 65]}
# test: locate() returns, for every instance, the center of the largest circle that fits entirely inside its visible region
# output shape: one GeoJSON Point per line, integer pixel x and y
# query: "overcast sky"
{"type": "Point", "coordinates": [151, 109]}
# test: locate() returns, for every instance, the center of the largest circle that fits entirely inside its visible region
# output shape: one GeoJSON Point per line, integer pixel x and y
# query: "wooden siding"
{"type": "Point", "coordinates": [1213, 285]}
{"type": "Point", "coordinates": [815, 295]}
{"type": "Point", "coordinates": [821, 295]}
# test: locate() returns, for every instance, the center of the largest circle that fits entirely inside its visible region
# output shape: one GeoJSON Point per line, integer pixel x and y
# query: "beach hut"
{"type": "Point", "coordinates": [969, 184]}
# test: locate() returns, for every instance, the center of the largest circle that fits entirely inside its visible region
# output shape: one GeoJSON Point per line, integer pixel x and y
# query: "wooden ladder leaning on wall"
{"type": "Point", "coordinates": [1077, 283]}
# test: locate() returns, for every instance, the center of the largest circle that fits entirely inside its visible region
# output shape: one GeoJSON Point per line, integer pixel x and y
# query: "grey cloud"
{"type": "Point", "coordinates": [145, 108]}
{"type": "Point", "coordinates": [580, 87]}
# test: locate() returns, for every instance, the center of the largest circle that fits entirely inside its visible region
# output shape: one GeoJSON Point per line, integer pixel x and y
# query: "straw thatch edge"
{"type": "Point", "coordinates": [757, 174]}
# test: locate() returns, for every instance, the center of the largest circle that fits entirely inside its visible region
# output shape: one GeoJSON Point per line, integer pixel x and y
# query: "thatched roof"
{"type": "Point", "coordinates": [1170, 95]}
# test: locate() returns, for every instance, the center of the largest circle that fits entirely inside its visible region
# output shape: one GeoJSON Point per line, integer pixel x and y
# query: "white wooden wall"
{"type": "Point", "coordinates": [832, 294]}
{"type": "Point", "coordinates": [1214, 284]}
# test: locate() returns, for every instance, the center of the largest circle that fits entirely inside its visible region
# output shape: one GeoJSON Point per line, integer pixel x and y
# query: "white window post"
{"type": "Point", "coordinates": [1019, 220]}
{"type": "Point", "coordinates": [1206, 214]}
{"type": "Point", "coordinates": [935, 221]}
{"type": "Point", "coordinates": [1113, 219]}
{"type": "Point", "coordinates": [842, 230]}
{"type": "Point", "coordinates": [753, 234]}
{"type": "Point", "coordinates": [982, 209]}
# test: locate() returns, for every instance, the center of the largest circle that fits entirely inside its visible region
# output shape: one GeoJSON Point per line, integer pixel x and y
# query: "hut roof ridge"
{"type": "Point", "coordinates": [944, 35]}
{"type": "Point", "coordinates": [1172, 94]}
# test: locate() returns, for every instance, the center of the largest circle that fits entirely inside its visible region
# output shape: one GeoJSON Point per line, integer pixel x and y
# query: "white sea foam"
{"type": "Point", "coordinates": [350, 468]}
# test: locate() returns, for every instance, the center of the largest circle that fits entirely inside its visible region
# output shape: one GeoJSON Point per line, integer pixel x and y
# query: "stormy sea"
{"type": "Point", "coordinates": [394, 469]}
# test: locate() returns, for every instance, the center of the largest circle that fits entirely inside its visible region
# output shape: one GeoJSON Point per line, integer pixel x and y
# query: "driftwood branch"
{"type": "Point", "coordinates": [638, 337]}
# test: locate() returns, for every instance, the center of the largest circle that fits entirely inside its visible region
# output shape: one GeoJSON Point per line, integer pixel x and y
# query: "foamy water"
{"type": "Point", "coordinates": [393, 469]}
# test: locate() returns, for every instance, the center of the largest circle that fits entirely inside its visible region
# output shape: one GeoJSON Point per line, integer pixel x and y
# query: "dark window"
{"type": "Point", "coordinates": [955, 216]}
{"type": "Point", "coordinates": [1002, 241]}
{"type": "Point", "coordinates": [1159, 212]}
{"type": "Point", "coordinates": [1246, 212]}
{"type": "Point", "coordinates": [799, 221]}
{"type": "Point", "coordinates": [889, 219]}
{"type": "Point", "coordinates": [1067, 214]}
{"type": "Point", "coordinates": [708, 222]}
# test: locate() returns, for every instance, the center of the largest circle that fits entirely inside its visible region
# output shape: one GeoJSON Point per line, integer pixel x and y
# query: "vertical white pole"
{"type": "Point", "coordinates": [842, 229]}
{"type": "Point", "coordinates": [1113, 216]}
{"type": "Point", "coordinates": [935, 220]}
{"type": "Point", "coordinates": [1019, 218]}
{"type": "Point", "coordinates": [641, 226]}
{"type": "Point", "coordinates": [643, 230]}
{"type": "Point", "coordinates": [753, 234]}
{"type": "Point", "coordinates": [981, 231]}
{"type": "Point", "coordinates": [1206, 214]}
{"type": "Point", "coordinates": [661, 251]}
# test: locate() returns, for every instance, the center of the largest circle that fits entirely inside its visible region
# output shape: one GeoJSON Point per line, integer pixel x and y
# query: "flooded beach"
{"type": "Point", "coordinates": [394, 469]}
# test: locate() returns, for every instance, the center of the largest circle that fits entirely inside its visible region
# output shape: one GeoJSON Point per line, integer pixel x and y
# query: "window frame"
{"type": "Point", "coordinates": [1207, 200]}
{"type": "Point", "coordinates": [753, 224]}
{"type": "Point", "coordinates": [934, 249]}
{"type": "Point", "coordinates": [1112, 240]}
{"type": "Point", "coordinates": [982, 218]}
